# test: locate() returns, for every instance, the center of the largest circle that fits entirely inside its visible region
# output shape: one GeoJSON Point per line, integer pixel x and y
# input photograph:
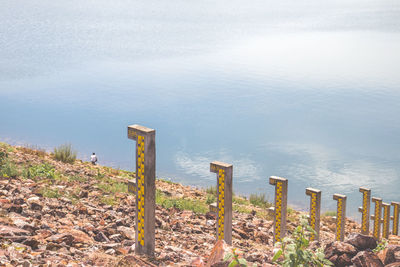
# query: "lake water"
{"type": "Point", "coordinates": [306, 90]}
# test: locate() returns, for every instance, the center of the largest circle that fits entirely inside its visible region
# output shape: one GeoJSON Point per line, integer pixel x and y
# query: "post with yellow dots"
{"type": "Point", "coordinates": [395, 217]}
{"type": "Point", "coordinates": [385, 220]}
{"type": "Point", "coordinates": [365, 210]}
{"type": "Point", "coordinates": [280, 209]}
{"type": "Point", "coordinates": [145, 187]}
{"type": "Point", "coordinates": [340, 216]}
{"type": "Point", "coordinates": [224, 200]}
{"type": "Point", "coordinates": [377, 218]}
{"type": "Point", "coordinates": [315, 210]}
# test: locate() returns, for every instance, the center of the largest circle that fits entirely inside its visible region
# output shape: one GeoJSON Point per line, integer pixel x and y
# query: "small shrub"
{"type": "Point", "coordinates": [235, 260]}
{"type": "Point", "coordinates": [295, 249]}
{"type": "Point", "coordinates": [65, 153]}
{"type": "Point", "coordinates": [8, 169]}
{"type": "Point", "coordinates": [240, 200]}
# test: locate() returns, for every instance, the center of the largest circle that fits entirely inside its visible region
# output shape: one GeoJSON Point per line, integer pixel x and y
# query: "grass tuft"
{"type": "Point", "coordinates": [65, 153]}
{"type": "Point", "coordinates": [260, 200]}
{"type": "Point", "coordinates": [194, 205]}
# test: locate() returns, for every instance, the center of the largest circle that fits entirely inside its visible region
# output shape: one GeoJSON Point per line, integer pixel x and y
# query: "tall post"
{"type": "Point", "coordinates": [386, 220]}
{"type": "Point", "coordinates": [224, 201]}
{"type": "Point", "coordinates": [377, 217]}
{"type": "Point", "coordinates": [280, 210]}
{"type": "Point", "coordinates": [395, 217]}
{"type": "Point", "coordinates": [145, 187]}
{"type": "Point", "coordinates": [340, 216]}
{"type": "Point", "coordinates": [365, 210]}
{"type": "Point", "coordinates": [315, 211]}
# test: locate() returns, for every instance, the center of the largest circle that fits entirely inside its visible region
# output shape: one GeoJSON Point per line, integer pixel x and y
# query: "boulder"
{"type": "Point", "coordinates": [361, 242]}
{"type": "Point", "coordinates": [392, 254]}
{"type": "Point", "coordinates": [367, 258]}
{"type": "Point", "coordinates": [340, 253]}
{"type": "Point", "coordinates": [218, 253]}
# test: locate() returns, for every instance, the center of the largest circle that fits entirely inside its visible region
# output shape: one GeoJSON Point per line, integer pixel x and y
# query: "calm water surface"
{"type": "Point", "coordinates": [306, 90]}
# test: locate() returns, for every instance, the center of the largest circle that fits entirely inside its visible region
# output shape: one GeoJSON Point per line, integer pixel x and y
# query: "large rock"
{"type": "Point", "coordinates": [361, 242]}
{"type": "Point", "coordinates": [392, 254]}
{"type": "Point", "coordinates": [340, 253]}
{"type": "Point", "coordinates": [367, 258]}
{"type": "Point", "coordinates": [218, 253]}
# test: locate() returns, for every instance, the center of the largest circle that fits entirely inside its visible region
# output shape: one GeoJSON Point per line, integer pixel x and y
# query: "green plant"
{"type": "Point", "coordinates": [42, 170]}
{"type": "Point", "coordinates": [65, 153]}
{"type": "Point", "coordinates": [329, 213]}
{"type": "Point", "coordinates": [295, 249]}
{"type": "Point", "coordinates": [211, 199]}
{"type": "Point", "coordinates": [8, 169]}
{"type": "Point", "coordinates": [194, 205]}
{"type": "Point", "coordinates": [259, 200]}
{"type": "Point", "coordinates": [381, 246]}
{"type": "Point", "coordinates": [235, 260]}
{"type": "Point", "coordinates": [50, 193]}
{"type": "Point", "coordinates": [212, 190]}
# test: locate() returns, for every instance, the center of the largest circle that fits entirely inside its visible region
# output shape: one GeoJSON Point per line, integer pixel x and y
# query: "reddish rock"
{"type": "Point", "coordinates": [367, 258]}
{"type": "Point", "coordinates": [392, 254]}
{"type": "Point", "coordinates": [361, 242]}
{"type": "Point", "coordinates": [218, 253]}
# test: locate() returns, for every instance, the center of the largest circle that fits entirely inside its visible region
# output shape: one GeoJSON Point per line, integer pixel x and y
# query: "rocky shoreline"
{"type": "Point", "coordinates": [58, 214]}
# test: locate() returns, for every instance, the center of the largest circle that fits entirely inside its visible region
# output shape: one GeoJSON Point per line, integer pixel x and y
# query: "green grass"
{"type": "Point", "coordinates": [50, 193]}
{"type": "Point", "coordinates": [8, 169]}
{"type": "Point", "coordinates": [240, 200]}
{"type": "Point", "coordinates": [212, 190]}
{"type": "Point", "coordinates": [329, 213]}
{"type": "Point", "coordinates": [194, 205]}
{"type": "Point", "coordinates": [260, 200]}
{"type": "Point", "coordinates": [109, 200]}
{"type": "Point", "coordinates": [211, 199]}
{"type": "Point", "coordinates": [65, 153]}
{"type": "Point", "coordinates": [45, 170]}
{"type": "Point", "coordinates": [114, 187]}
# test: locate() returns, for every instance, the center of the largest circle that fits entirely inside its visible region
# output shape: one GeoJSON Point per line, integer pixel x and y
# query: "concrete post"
{"type": "Point", "coordinates": [395, 217]}
{"type": "Point", "coordinates": [315, 210]}
{"type": "Point", "coordinates": [377, 218]}
{"type": "Point", "coordinates": [224, 201]}
{"type": "Point", "coordinates": [280, 210]}
{"type": "Point", "coordinates": [340, 216]}
{"type": "Point", "coordinates": [146, 187]}
{"type": "Point", "coordinates": [386, 220]}
{"type": "Point", "coordinates": [365, 210]}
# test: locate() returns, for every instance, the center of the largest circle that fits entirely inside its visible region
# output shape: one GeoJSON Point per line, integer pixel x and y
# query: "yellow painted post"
{"type": "Point", "coordinates": [280, 210]}
{"type": "Point", "coordinates": [145, 187]}
{"type": "Point", "coordinates": [395, 217]}
{"type": "Point", "coordinates": [315, 210]}
{"type": "Point", "coordinates": [224, 201]}
{"type": "Point", "coordinates": [365, 210]}
{"type": "Point", "coordinates": [386, 220]}
{"type": "Point", "coordinates": [340, 216]}
{"type": "Point", "coordinates": [377, 217]}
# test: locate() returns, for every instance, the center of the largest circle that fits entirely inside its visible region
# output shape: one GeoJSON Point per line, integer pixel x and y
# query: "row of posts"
{"type": "Point", "coordinates": [144, 187]}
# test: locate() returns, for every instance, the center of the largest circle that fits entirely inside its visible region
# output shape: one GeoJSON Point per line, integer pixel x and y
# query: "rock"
{"type": "Point", "coordinates": [100, 237]}
{"type": "Point", "coordinates": [392, 254]}
{"type": "Point", "coordinates": [394, 264]}
{"type": "Point", "coordinates": [340, 253]}
{"type": "Point", "coordinates": [32, 242]}
{"type": "Point", "coordinates": [8, 230]}
{"type": "Point", "coordinates": [361, 242]}
{"type": "Point", "coordinates": [367, 258]}
{"type": "Point", "coordinates": [218, 253]}
{"type": "Point", "coordinates": [126, 232]}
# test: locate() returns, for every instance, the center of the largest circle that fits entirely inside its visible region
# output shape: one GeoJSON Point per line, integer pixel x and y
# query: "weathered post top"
{"type": "Point", "coordinates": [386, 220]}
{"type": "Point", "coordinates": [365, 210]}
{"type": "Point", "coordinates": [377, 217]}
{"type": "Point", "coordinates": [280, 210]}
{"type": "Point", "coordinates": [145, 187]}
{"type": "Point", "coordinates": [395, 217]}
{"type": "Point", "coordinates": [315, 210]}
{"type": "Point", "coordinates": [224, 200]}
{"type": "Point", "coordinates": [340, 216]}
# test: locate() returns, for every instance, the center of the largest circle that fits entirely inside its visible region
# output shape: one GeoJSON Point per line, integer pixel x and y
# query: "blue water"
{"type": "Point", "coordinates": [306, 90]}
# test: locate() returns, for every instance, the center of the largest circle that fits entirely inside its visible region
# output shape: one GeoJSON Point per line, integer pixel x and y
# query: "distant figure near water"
{"type": "Point", "coordinates": [93, 158]}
